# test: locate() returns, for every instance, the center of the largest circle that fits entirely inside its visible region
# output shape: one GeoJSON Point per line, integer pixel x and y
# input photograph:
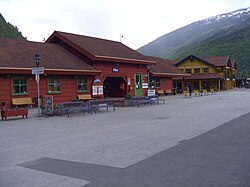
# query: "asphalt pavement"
{"type": "Point", "coordinates": [197, 141]}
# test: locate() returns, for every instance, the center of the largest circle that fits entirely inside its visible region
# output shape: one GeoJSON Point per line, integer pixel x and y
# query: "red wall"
{"type": "Point", "coordinates": [125, 70]}
{"type": "Point", "coordinates": [69, 83]}
{"type": "Point", "coordinates": [166, 83]}
{"type": "Point", "coordinates": [68, 89]}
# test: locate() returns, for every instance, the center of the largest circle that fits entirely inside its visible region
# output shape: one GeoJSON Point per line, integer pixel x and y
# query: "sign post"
{"type": "Point", "coordinates": [37, 71]}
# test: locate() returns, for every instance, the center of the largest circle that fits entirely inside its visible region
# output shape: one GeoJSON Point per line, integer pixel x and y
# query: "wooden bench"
{"type": "Point", "coordinates": [185, 93]}
{"type": "Point", "coordinates": [155, 99]}
{"type": "Point", "coordinates": [160, 92]}
{"type": "Point", "coordinates": [204, 92]}
{"type": "Point", "coordinates": [196, 92]}
{"type": "Point", "coordinates": [84, 97]}
{"type": "Point", "coordinates": [72, 107]}
{"type": "Point", "coordinates": [212, 91]}
{"type": "Point", "coordinates": [17, 112]}
{"type": "Point", "coordinates": [168, 92]}
{"type": "Point", "coordinates": [102, 103]}
{"type": "Point", "coordinates": [22, 101]}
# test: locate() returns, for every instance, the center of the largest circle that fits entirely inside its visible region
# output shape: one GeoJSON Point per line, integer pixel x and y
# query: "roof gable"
{"type": "Point", "coordinates": [99, 49]}
{"type": "Point", "coordinates": [193, 57]}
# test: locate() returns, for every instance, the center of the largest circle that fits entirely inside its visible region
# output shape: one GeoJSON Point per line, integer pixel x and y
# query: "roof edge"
{"type": "Point", "coordinates": [196, 57]}
{"type": "Point", "coordinates": [100, 57]}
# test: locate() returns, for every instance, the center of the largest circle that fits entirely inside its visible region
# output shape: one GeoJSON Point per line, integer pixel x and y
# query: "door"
{"type": "Point", "coordinates": [138, 84]}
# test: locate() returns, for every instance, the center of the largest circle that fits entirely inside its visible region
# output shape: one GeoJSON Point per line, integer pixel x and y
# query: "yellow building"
{"type": "Point", "coordinates": [207, 73]}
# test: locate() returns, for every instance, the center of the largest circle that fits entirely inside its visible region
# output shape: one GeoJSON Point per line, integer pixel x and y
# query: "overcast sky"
{"type": "Point", "coordinates": [139, 21]}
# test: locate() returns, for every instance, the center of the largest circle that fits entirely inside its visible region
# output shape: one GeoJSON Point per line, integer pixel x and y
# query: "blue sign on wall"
{"type": "Point", "coordinates": [115, 70]}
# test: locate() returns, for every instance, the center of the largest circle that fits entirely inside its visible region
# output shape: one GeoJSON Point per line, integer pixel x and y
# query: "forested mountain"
{"type": "Point", "coordinates": [8, 30]}
{"type": "Point", "coordinates": [225, 34]}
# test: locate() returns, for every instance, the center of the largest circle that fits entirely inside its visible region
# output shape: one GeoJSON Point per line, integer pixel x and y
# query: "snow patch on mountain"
{"type": "Point", "coordinates": [241, 13]}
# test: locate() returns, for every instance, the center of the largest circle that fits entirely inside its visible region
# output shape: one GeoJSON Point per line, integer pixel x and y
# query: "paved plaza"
{"type": "Point", "coordinates": [145, 146]}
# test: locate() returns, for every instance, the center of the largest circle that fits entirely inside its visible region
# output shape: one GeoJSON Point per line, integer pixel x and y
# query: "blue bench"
{"type": "Point", "coordinates": [138, 100]}
{"type": "Point", "coordinates": [94, 105]}
{"type": "Point", "coordinates": [155, 99]}
{"type": "Point", "coordinates": [71, 107]}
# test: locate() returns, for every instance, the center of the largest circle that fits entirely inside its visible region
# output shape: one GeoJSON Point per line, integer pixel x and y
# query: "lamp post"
{"type": "Point", "coordinates": [149, 89]}
{"type": "Point", "coordinates": [37, 61]}
{"type": "Point", "coordinates": [148, 68]}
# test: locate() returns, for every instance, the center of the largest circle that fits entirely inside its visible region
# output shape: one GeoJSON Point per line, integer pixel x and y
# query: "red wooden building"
{"type": "Point", "coordinates": [77, 65]}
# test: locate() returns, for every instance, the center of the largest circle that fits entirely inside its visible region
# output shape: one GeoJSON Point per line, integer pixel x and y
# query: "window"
{"type": "Point", "coordinates": [182, 69]}
{"type": "Point", "coordinates": [157, 83]}
{"type": "Point", "coordinates": [151, 83]}
{"type": "Point", "coordinates": [19, 86]}
{"type": "Point", "coordinates": [82, 84]}
{"type": "Point", "coordinates": [219, 70]}
{"type": "Point", "coordinates": [54, 85]}
{"type": "Point", "coordinates": [196, 70]}
{"type": "Point", "coordinates": [205, 70]}
{"type": "Point", "coordinates": [188, 71]}
{"type": "Point", "coordinates": [191, 59]}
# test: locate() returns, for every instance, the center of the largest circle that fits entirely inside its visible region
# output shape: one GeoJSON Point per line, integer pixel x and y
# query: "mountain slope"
{"type": "Point", "coordinates": [235, 44]}
{"type": "Point", "coordinates": [8, 30]}
{"type": "Point", "coordinates": [225, 34]}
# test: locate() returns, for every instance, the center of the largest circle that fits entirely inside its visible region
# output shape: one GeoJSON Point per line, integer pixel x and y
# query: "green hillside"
{"type": "Point", "coordinates": [8, 30]}
{"type": "Point", "coordinates": [224, 34]}
{"type": "Point", "coordinates": [235, 44]}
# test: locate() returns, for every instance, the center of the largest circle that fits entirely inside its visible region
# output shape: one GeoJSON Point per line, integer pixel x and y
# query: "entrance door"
{"type": "Point", "coordinates": [115, 87]}
{"type": "Point", "coordinates": [138, 84]}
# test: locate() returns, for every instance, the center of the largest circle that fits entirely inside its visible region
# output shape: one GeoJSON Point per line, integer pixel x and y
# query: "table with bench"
{"type": "Point", "coordinates": [156, 99]}
{"type": "Point", "coordinates": [72, 107]}
{"type": "Point", "coordinates": [138, 100]}
{"type": "Point", "coordinates": [94, 105]}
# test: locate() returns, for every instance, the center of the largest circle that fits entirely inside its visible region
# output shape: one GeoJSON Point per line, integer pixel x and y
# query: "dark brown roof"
{"type": "Point", "coordinates": [213, 60]}
{"type": "Point", "coordinates": [217, 60]}
{"type": "Point", "coordinates": [16, 53]}
{"type": "Point", "coordinates": [100, 49]}
{"type": "Point", "coordinates": [164, 66]}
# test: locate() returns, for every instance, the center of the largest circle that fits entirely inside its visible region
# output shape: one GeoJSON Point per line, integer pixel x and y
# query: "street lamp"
{"type": "Point", "coordinates": [37, 61]}
{"type": "Point", "coordinates": [148, 68]}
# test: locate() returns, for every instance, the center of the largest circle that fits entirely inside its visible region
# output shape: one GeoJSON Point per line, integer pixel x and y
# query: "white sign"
{"type": "Point", "coordinates": [94, 90]}
{"type": "Point", "coordinates": [145, 85]}
{"type": "Point", "coordinates": [151, 92]}
{"type": "Point", "coordinates": [37, 70]}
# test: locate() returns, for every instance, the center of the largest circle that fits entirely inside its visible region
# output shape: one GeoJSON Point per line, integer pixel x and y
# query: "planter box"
{"type": "Point", "coordinates": [19, 112]}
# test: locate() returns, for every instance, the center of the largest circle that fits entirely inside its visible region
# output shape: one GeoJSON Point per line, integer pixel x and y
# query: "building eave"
{"type": "Point", "coordinates": [11, 70]}
{"type": "Point", "coordinates": [123, 60]}
{"type": "Point", "coordinates": [169, 74]}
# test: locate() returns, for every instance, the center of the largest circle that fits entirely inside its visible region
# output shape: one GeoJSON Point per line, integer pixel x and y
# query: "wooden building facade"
{"type": "Point", "coordinates": [207, 73]}
{"type": "Point", "coordinates": [78, 65]}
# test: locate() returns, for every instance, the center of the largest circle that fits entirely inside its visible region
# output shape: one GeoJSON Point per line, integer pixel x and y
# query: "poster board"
{"type": "Point", "coordinates": [49, 104]}
{"type": "Point", "coordinates": [97, 90]}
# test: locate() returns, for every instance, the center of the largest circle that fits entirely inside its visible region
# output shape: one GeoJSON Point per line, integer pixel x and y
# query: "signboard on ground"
{"type": "Point", "coordinates": [151, 92]}
{"type": "Point", "coordinates": [49, 104]}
